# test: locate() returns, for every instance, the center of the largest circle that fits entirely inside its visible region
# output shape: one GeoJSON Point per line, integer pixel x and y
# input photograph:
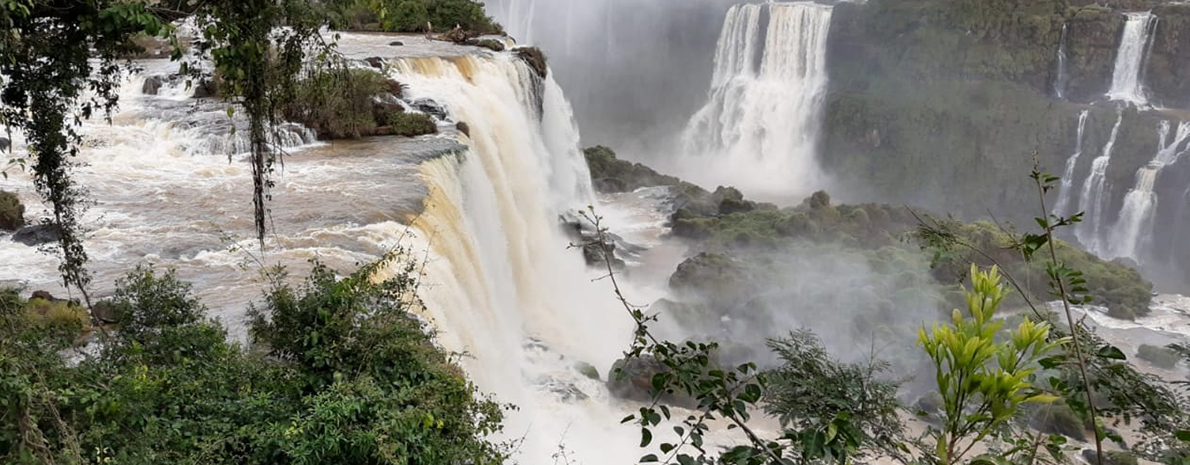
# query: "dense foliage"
{"type": "Point", "coordinates": [415, 16]}
{"type": "Point", "coordinates": [339, 371]}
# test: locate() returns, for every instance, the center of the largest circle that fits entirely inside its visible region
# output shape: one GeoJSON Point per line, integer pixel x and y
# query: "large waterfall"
{"type": "Point", "coordinates": [759, 127]}
{"type": "Point", "coordinates": [1095, 196]}
{"type": "Point", "coordinates": [502, 285]}
{"type": "Point", "coordinates": [1067, 189]}
{"type": "Point", "coordinates": [1135, 224]}
{"type": "Point", "coordinates": [1127, 82]}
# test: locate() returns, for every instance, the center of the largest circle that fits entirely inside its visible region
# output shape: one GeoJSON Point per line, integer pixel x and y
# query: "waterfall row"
{"type": "Point", "coordinates": [1128, 78]}
{"type": "Point", "coordinates": [759, 128]}
{"type": "Point", "coordinates": [1067, 188]}
{"type": "Point", "coordinates": [1095, 195]}
{"type": "Point", "coordinates": [1135, 224]}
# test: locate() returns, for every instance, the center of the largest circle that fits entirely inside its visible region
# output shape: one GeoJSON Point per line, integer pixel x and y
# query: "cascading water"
{"type": "Point", "coordinates": [1135, 224]}
{"type": "Point", "coordinates": [1127, 78]}
{"type": "Point", "coordinates": [759, 128]}
{"type": "Point", "coordinates": [1093, 199]}
{"type": "Point", "coordinates": [502, 285]}
{"type": "Point", "coordinates": [1061, 77]}
{"type": "Point", "coordinates": [1067, 189]}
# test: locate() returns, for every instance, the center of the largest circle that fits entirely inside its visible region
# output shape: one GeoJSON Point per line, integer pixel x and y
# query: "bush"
{"type": "Point", "coordinates": [12, 212]}
{"type": "Point", "coordinates": [416, 15]}
{"type": "Point", "coordinates": [337, 103]}
{"type": "Point", "coordinates": [1160, 357]}
{"type": "Point", "coordinates": [490, 44]}
{"type": "Point", "coordinates": [340, 373]}
{"type": "Point", "coordinates": [412, 124]}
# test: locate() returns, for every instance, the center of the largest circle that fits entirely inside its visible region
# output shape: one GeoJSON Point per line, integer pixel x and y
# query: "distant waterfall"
{"type": "Point", "coordinates": [1136, 218]}
{"type": "Point", "coordinates": [1127, 82]}
{"type": "Point", "coordinates": [1067, 188]}
{"type": "Point", "coordinates": [516, 16]}
{"type": "Point", "coordinates": [1061, 77]}
{"type": "Point", "coordinates": [1093, 196]}
{"type": "Point", "coordinates": [500, 282]}
{"type": "Point", "coordinates": [759, 127]}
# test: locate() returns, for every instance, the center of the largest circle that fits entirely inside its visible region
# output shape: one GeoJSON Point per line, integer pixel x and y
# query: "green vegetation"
{"type": "Point", "coordinates": [610, 174]}
{"type": "Point", "coordinates": [411, 124]}
{"type": "Point", "coordinates": [415, 16]}
{"type": "Point", "coordinates": [1160, 357]}
{"type": "Point", "coordinates": [330, 103]}
{"type": "Point", "coordinates": [338, 371]}
{"type": "Point", "coordinates": [12, 212]}
{"type": "Point", "coordinates": [983, 382]}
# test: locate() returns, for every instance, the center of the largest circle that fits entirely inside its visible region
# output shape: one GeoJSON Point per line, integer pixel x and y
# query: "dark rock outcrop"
{"type": "Point", "coordinates": [205, 88]}
{"type": "Point", "coordinates": [375, 62]}
{"type": "Point", "coordinates": [38, 234]}
{"type": "Point", "coordinates": [152, 85]}
{"type": "Point", "coordinates": [633, 380]}
{"type": "Point", "coordinates": [463, 128]}
{"type": "Point", "coordinates": [534, 57]}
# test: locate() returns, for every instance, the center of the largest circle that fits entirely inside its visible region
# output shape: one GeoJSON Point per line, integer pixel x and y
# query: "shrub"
{"type": "Point", "coordinates": [412, 124]}
{"type": "Point", "coordinates": [12, 212]}
{"type": "Point", "coordinates": [416, 15]}
{"type": "Point", "coordinates": [337, 103]}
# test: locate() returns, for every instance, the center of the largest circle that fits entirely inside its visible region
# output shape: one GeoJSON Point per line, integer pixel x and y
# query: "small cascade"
{"type": "Point", "coordinates": [1067, 189]}
{"type": "Point", "coordinates": [1061, 77]}
{"type": "Point", "coordinates": [1094, 195]}
{"type": "Point", "coordinates": [1127, 77]}
{"type": "Point", "coordinates": [1135, 224]}
{"type": "Point", "coordinates": [759, 127]}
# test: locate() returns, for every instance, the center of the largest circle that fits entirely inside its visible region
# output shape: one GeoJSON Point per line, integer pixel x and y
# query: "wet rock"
{"type": "Point", "coordinates": [490, 44]}
{"type": "Point", "coordinates": [633, 379]}
{"type": "Point", "coordinates": [206, 88]}
{"type": "Point", "coordinates": [104, 311]}
{"type": "Point", "coordinates": [44, 295]}
{"type": "Point", "coordinates": [4, 144]}
{"type": "Point", "coordinates": [396, 43]}
{"type": "Point", "coordinates": [588, 370]}
{"type": "Point", "coordinates": [12, 212]}
{"type": "Point", "coordinates": [152, 85]}
{"type": "Point", "coordinates": [430, 107]}
{"type": "Point", "coordinates": [535, 59]}
{"type": "Point", "coordinates": [38, 234]}
{"type": "Point", "coordinates": [463, 128]}
{"type": "Point", "coordinates": [375, 62]}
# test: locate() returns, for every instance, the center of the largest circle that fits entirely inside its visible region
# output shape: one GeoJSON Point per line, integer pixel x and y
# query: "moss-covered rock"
{"type": "Point", "coordinates": [490, 44]}
{"type": "Point", "coordinates": [588, 370]}
{"type": "Point", "coordinates": [610, 174]}
{"type": "Point", "coordinates": [410, 124]}
{"type": "Point", "coordinates": [1160, 357]}
{"type": "Point", "coordinates": [12, 212]}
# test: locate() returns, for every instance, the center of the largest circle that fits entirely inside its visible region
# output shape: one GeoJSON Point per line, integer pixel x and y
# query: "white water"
{"type": "Point", "coordinates": [1127, 78]}
{"type": "Point", "coordinates": [1093, 199]}
{"type": "Point", "coordinates": [1135, 224]}
{"type": "Point", "coordinates": [1067, 189]}
{"type": "Point", "coordinates": [503, 285]}
{"type": "Point", "coordinates": [1061, 77]}
{"type": "Point", "coordinates": [759, 127]}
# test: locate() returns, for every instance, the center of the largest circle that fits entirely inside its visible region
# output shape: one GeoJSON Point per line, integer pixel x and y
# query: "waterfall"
{"type": "Point", "coordinates": [1067, 188]}
{"type": "Point", "coordinates": [759, 127]}
{"type": "Point", "coordinates": [1127, 82]}
{"type": "Point", "coordinates": [500, 283]}
{"type": "Point", "coordinates": [516, 16]}
{"type": "Point", "coordinates": [1093, 196]}
{"type": "Point", "coordinates": [1135, 224]}
{"type": "Point", "coordinates": [1061, 77]}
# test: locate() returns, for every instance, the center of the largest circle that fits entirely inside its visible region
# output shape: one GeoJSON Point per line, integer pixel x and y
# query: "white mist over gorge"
{"type": "Point", "coordinates": [554, 232]}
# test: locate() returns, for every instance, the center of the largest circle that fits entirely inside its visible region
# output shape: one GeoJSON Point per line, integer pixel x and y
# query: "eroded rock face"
{"type": "Point", "coordinates": [535, 59]}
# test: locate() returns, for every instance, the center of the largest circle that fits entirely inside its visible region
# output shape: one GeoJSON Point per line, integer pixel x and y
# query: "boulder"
{"type": "Point", "coordinates": [104, 311]}
{"type": "Point", "coordinates": [430, 107]}
{"type": "Point", "coordinates": [396, 43]}
{"type": "Point", "coordinates": [205, 88]}
{"type": "Point", "coordinates": [633, 379]}
{"type": "Point", "coordinates": [588, 370]}
{"type": "Point", "coordinates": [375, 62]}
{"type": "Point", "coordinates": [12, 212]}
{"type": "Point", "coordinates": [463, 128]}
{"type": "Point", "coordinates": [38, 234]}
{"type": "Point", "coordinates": [152, 85]}
{"type": "Point", "coordinates": [4, 144]}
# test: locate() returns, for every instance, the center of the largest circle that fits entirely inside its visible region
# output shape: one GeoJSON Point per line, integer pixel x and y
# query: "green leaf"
{"type": "Point", "coordinates": [646, 437]}
{"type": "Point", "coordinates": [1111, 352]}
